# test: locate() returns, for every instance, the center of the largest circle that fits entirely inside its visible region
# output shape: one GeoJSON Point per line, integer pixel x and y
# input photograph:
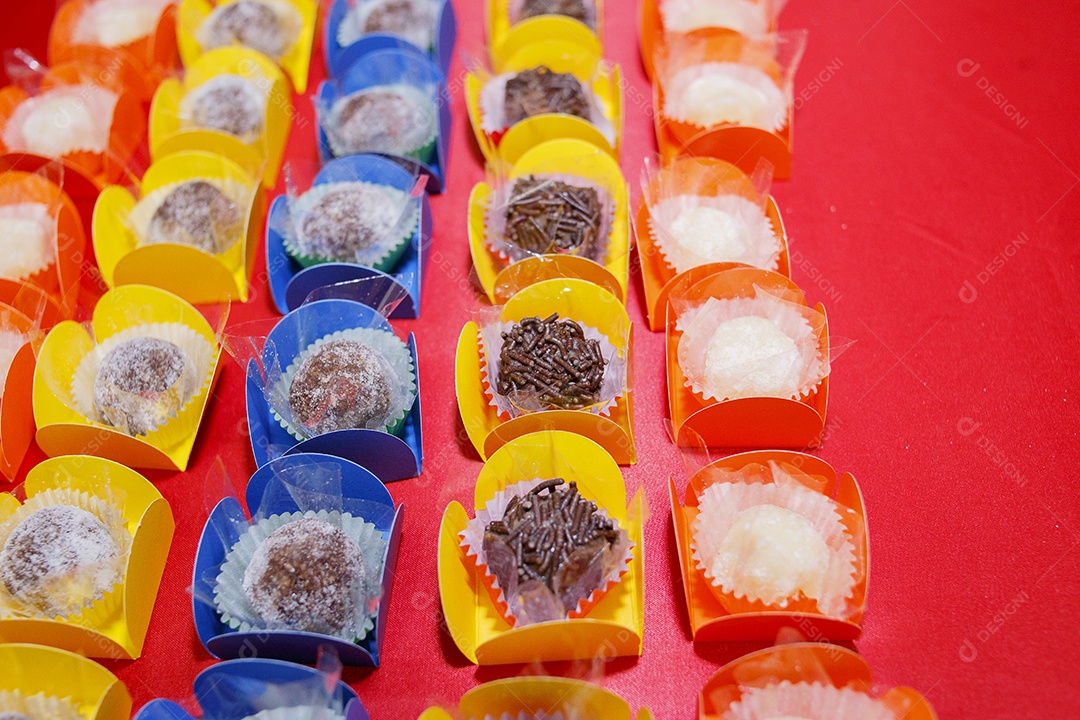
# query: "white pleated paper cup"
{"type": "Point", "coordinates": [39, 705]}
{"type": "Point", "coordinates": [354, 25]}
{"type": "Point", "coordinates": [176, 425]}
{"type": "Point", "coordinates": [27, 240]}
{"type": "Point", "coordinates": [395, 217]}
{"type": "Point", "coordinates": [805, 700]}
{"type": "Point", "coordinates": [725, 93]}
{"type": "Point", "coordinates": [402, 384]}
{"type": "Point", "coordinates": [301, 712]}
{"type": "Point", "coordinates": [472, 543]}
{"type": "Point", "coordinates": [737, 229]}
{"type": "Point", "coordinates": [719, 507]}
{"type": "Point", "coordinates": [797, 322]}
{"type": "Point", "coordinates": [142, 214]}
{"type": "Point", "coordinates": [84, 608]}
{"type": "Point", "coordinates": [231, 601]}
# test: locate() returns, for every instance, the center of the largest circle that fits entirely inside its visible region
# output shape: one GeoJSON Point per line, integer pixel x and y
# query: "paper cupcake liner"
{"type": "Point", "coordinates": [383, 255]}
{"type": "Point", "coordinates": [490, 339]}
{"type": "Point", "coordinates": [20, 260]}
{"type": "Point", "coordinates": [231, 601]}
{"type": "Point", "coordinates": [103, 22]}
{"type": "Point", "coordinates": [493, 108]}
{"type": "Point", "coordinates": [472, 542]}
{"type": "Point", "coordinates": [719, 506]}
{"type": "Point", "coordinates": [226, 81]}
{"type": "Point", "coordinates": [288, 15]}
{"type": "Point", "coordinates": [138, 220]}
{"type": "Point", "coordinates": [755, 230]}
{"type": "Point", "coordinates": [352, 25]}
{"type": "Point", "coordinates": [93, 610]}
{"type": "Point", "coordinates": [420, 144]}
{"type": "Point", "coordinates": [179, 424]}
{"type": "Point", "coordinates": [787, 699]}
{"type": "Point", "coordinates": [297, 713]}
{"type": "Point", "coordinates": [746, 17]}
{"type": "Point", "coordinates": [386, 343]}
{"type": "Point", "coordinates": [495, 219]}
{"type": "Point", "coordinates": [516, 7]}
{"type": "Point", "coordinates": [767, 109]}
{"type": "Point", "coordinates": [796, 321]}
{"type": "Point", "coordinates": [11, 342]}
{"type": "Point", "coordinates": [39, 705]}
{"type": "Point", "coordinates": [98, 103]}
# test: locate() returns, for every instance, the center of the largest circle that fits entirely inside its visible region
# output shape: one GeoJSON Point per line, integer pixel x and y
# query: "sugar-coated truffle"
{"type": "Point", "coordinates": [61, 123]}
{"type": "Point", "coordinates": [392, 120]}
{"type": "Point", "coordinates": [306, 576]}
{"type": "Point", "coordinates": [342, 384]}
{"type": "Point", "coordinates": [255, 24]}
{"type": "Point", "coordinates": [347, 220]}
{"type": "Point", "coordinates": [198, 214]}
{"type": "Point", "coordinates": [141, 383]}
{"type": "Point", "coordinates": [751, 356]}
{"type": "Point", "coordinates": [228, 104]}
{"type": "Point", "coordinates": [581, 10]}
{"type": "Point", "coordinates": [57, 558]}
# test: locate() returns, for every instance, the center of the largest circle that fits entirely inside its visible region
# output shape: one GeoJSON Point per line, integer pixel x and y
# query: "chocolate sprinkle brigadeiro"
{"type": "Point", "coordinates": [554, 536]}
{"type": "Point", "coordinates": [577, 9]}
{"type": "Point", "coordinates": [553, 360]}
{"type": "Point", "coordinates": [539, 91]}
{"type": "Point", "coordinates": [550, 216]}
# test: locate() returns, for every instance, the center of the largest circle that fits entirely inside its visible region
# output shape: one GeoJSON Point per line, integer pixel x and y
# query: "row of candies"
{"type": "Point", "coordinates": [133, 382]}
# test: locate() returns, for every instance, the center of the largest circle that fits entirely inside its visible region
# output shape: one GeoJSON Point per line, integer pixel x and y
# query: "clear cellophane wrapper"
{"type": "Point", "coordinates": [804, 700]}
{"type": "Point", "coordinates": [290, 23]}
{"type": "Point", "coordinates": [792, 377]}
{"type": "Point", "coordinates": [85, 594]}
{"type": "Point", "coordinates": [507, 193]}
{"type": "Point", "coordinates": [166, 419]}
{"type": "Point", "coordinates": [27, 240]}
{"type": "Point", "coordinates": [358, 22]}
{"type": "Point", "coordinates": [250, 94]}
{"type": "Point", "coordinates": [38, 705]}
{"type": "Point", "coordinates": [783, 486]}
{"type": "Point", "coordinates": [315, 491]}
{"type": "Point", "coordinates": [62, 120]}
{"type": "Point", "coordinates": [225, 237]}
{"type": "Point", "coordinates": [613, 387]}
{"type": "Point", "coordinates": [536, 602]}
{"type": "Point", "coordinates": [117, 23]}
{"type": "Point", "coordinates": [414, 136]}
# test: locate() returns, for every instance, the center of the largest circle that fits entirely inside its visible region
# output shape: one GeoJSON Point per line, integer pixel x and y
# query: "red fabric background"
{"type": "Point", "coordinates": [955, 406]}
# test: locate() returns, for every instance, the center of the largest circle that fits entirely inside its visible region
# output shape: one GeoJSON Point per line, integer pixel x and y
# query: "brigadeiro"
{"type": "Point", "coordinates": [580, 10]}
{"type": "Point", "coordinates": [269, 26]}
{"type": "Point", "coordinates": [115, 23]}
{"type": "Point", "coordinates": [227, 103]}
{"type": "Point", "coordinates": [27, 239]}
{"type": "Point", "coordinates": [410, 20]}
{"type": "Point", "coordinates": [142, 382]}
{"type": "Point", "coordinates": [552, 361]}
{"type": "Point", "coordinates": [544, 214]}
{"type": "Point", "coordinates": [507, 99]}
{"type": "Point", "coordinates": [552, 551]}
{"type": "Point", "coordinates": [747, 17]}
{"type": "Point", "coordinates": [786, 699]}
{"type": "Point", "coordinates": [724, 93]}
{"type": "Point", "coordinates": [61, 121]}
{"type": "Point", "coordinates": [204, 214]}
{"type": "Point", "coordinates": [394, 119]}
{"type": "Point", "coordinates": [351, 222]}
{"type": "Point", "coordinates": [61, 552]}
{"type": "Point", "coordinates": [317, 572]}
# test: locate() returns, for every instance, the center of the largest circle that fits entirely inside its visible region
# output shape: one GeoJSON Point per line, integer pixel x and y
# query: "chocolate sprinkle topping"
{"type": "Point", "coordinates": [576, 9]}
{"type": "Point", "coordinates": [198, 214]}
{"type": "Point", "coordinates": [550, 216]}
{"type": "Point", "coordinates": [343, 384]}
{"type": "Point", "coordinates": [250, 23]}
{"type": "Point", "coordinates": [553, 360]}
{"type": "Point", "coordinates": [228, 108]}
{"type": "Point", "coordinates": [539, 91]}
{"type": "Point", "coordinates": [554, 536]}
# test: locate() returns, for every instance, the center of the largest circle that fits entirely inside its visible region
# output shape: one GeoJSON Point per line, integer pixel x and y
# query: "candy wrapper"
{"type": "Point", "coordinates": [413, 21]}
{"type": "Point", "coordinates": [584, 11]}
{"type": "Point", "coordinates": [708, 82]}
{"type": "Point", "coordinates": [272, 27]}
{"type": "Point", "coordinates": [765, 345]}
{"type": "Point", "coordinates": [63, 555]}
{"type": "Point", "coordinates": [702, 212]}
{"type": "Point", "coordinates": [751, 18]}
{"type": "Point", "coordinates": [508, 98]}
{"type": "Point", "coordinates": [350, 219]}
{"type": "Point", "coordinates": [589, 552]}
{"type": "Point", "coordinates": [117, 23]}
{"type": "Point", "coordinates": [552, 363]}
{"type": "Point", "coordinates": [317, 569]}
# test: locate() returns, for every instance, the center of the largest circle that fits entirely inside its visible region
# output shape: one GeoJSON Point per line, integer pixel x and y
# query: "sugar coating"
{"type": "Point", "coordinates": [248, 22]}
{"type": "Point", "coordinates": [60, 124]}
{"type": "Point", "coordinates": [141, 383]}
{"type": "Point", "coordinates": [196, 213]}
{"type": "Point", "coordinates": [347, 220]}
{"type": "Point", "coordinates": [751, 356]}
{"type": "Point", "coordinates": [710, 233]}
{"type": "Point", "coordinates": [721, 93]}
{"type": "Point", "coordinates": [343, 384]}
{"type": "Point", "coordinates": [57, 558]}
{"type": "Point", "coordinates": [744, 16]}
{"type": "Point", "coordinates": [14, 716]}
{"type": "Point", "coordinates": [576, 9]}
{"type": "Point", "coordinates": [229, 104]}
{"type": "Point", "coordinates": [306, 576]}
{"type": "Point", "coordinates": [719, 99]}
{"type": "Point", "coordinates": [113, 23]}
{"type": "Point", "coordinates": [772, 554]}
{"type": "Point", "coordinates": [413, 20]}
{"type": "Point", "coordinates": [26, 240]}
{"type": "Point", "coordinates": [381, 121]}
{"type": "Point", "coordinates": [10, 343]}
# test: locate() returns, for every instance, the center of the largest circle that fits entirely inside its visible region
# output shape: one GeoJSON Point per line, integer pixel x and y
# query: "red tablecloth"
{"type": "Point", "coordinates": [932, 209]}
